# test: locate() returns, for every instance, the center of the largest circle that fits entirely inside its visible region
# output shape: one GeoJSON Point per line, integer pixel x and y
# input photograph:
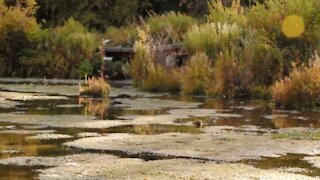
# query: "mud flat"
{"type": "Point", "coordinates": [7, 104]}
{"type": "Point", "coordinates": [99, 166]}
{"type": "Point", "coordinates": [216, 144]}
{"type": "Point", "coordinates": [315, 161]}
{"type": "Point", "coordinates": [63, 90]}
{"type": "Point", "coordinates": [40, 81]}
{"type": "Point", "coordinates": [80, 121]}
{"type": "Point", "coordinates": [17, 96]}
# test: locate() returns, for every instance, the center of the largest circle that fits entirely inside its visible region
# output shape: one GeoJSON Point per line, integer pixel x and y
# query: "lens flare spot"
{"type": "Point", "coordinates": [293, 26]}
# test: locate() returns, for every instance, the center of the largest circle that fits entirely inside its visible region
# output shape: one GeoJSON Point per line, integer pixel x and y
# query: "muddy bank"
{"type": "Point", "coordinates": [7, 104]}
{"type": "Point", "coordinates": [40, 81]}
{"type": "Point", "coordinates": [315, 161]}
{"type": "Point", "coordinates": [216, 144]}
{"type": "Point", "coordinates": [16, 96]}
{"type": "Point", "coordinates": [63, 90]}
{"type": "Point", "coordinates": [98, 166]}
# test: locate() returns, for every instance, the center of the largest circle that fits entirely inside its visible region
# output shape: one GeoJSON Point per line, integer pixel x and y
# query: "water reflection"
{"type": "Point", "coordinates": [153, 129]}
{"type": "Point", "coordinates": [95, 107]}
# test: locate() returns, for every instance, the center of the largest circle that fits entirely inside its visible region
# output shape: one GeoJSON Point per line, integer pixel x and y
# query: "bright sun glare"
{"type": "Point", "coordinates": [293, 26]}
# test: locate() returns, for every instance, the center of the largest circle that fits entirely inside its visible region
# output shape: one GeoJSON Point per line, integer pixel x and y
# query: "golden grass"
{"type": "Point", "coordinates": [301, 89]}
{"type": "Point", "coordinates": [96, 86]}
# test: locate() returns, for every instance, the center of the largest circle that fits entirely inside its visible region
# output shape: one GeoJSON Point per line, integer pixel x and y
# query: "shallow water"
{"type": "Point", "coordinates": [253, 113]}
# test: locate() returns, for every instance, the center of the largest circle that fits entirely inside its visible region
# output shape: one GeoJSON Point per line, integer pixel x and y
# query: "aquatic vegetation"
{"type": "Point", "coordinates": [301, 89]}
{"type": "Point", "coordinates": [96, 86]}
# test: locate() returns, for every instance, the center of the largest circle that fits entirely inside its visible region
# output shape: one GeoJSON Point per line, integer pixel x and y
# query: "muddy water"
{"type": "Point", "coordinates": [252, 113]}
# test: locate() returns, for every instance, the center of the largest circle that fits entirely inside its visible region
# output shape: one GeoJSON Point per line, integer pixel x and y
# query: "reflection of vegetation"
{"type": "Point", "coordinates": [300, 135]}
{"type": "Point", "coordinates": [153, 129]}
{"type": "Point", "coordinates": [96, 108]}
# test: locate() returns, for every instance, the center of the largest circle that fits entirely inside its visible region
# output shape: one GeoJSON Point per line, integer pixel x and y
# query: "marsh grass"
{"type": "Point", "coordinates": [171, 25]}
{"type": "Point", "coordinates": [162, 80]}
{"type": "Point", "coordinates": [196, 75]}
{"type": "Point", "coordinates": [95, 86]}
{"type": "Point", "coordinates": [301, 89]}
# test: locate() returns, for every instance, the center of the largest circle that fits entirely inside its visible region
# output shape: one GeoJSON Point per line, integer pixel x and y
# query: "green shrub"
{"type": "Point", "coordinates": [196, 75]}
{"type": "Point", "coordinates": [301, 89]}
{"type": "Point", "coordinates": [122, 35]}
{"type": "Point", "coordinates": [268, 19]}
{"type": "Point", "coordinates": [171, 26]}
{"type": "Point", "coordinates": [62, 51]}
{"type": "Point", "coordinates": [19, 32]}
{"type": "Point", "coordinates": [212, 38]}
{"type": "Point", "coordinates": [85, 69]}
{"type": "Point", "coordinates": [219, 13]}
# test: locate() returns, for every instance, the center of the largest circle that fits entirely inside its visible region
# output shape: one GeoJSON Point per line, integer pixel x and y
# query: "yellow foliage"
{"type": "Point", "coordinates": [301, 88]}
{"type": "Point", "coordinates": [196, 74]}
{"type": "Point", "coordinates": [161, 80]}
{"type": "Point", "coordinates": [96, 87]}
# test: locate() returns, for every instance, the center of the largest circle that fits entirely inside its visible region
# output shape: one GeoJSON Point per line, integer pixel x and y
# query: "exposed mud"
{"type": "Point", "coordinates": [97, 166]}
{"type": "Point", "coordinates": [215, 144]}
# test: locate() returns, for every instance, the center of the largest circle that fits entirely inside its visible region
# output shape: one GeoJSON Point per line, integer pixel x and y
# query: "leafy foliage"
{"type": "Point", "coordinates": [19, 32]}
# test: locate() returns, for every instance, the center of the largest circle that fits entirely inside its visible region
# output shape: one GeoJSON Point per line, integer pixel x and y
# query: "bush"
{"type": "Point", "coordinates": [196, 75]}
{"type": "Point", "coordinates": [120, 36]}
{"type": "Point", "coordinates": [161, 80]}
{"type": "Point", "coordinates": [96, 87]}
{"type": "Point", "coordinates": [212, 38]}
{"type": "Point", "coordinates": [19, 32]}
{"type": "Point", "coordinates": [219, 13]}
{"type": "Point", "coordinates": [171, 26]}
{"type": "Point", "coordinates": [268, 19]}
{"type": "Point", "coordinates": [301, 89]}
{"type": "Point", "coordinates": [62, 51]}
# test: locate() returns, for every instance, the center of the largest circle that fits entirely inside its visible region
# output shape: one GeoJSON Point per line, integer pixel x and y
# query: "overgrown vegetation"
{"type": "Point", "coordinates": [237, 48]}
{"type": "Point", "coordinates": [301, 89]}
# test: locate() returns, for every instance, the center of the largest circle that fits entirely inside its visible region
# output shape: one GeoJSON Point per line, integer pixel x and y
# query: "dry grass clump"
{"type": "Point", "coordinates": [96, 86]}
{"type": "Point", "coordinates": [196, 75]}
{"type": "Point", "coordinates": [301, 89]}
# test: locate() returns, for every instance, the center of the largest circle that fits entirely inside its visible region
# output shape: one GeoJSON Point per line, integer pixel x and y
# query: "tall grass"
{"type": "Point", "coordinates": [95, 87]}
{"type": "Point", "coordinates": [142, 63]}
{"type": "Point", "coordinates": [301, 89]}
{"type": "Point", "coordinates": [196, 75]}
{"type": "Point", "coordinates": [162, 80]}
{"type": "Point", "coordinates": [171, 26]}
{"type": "Point", "coordinates": [212, 38]}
